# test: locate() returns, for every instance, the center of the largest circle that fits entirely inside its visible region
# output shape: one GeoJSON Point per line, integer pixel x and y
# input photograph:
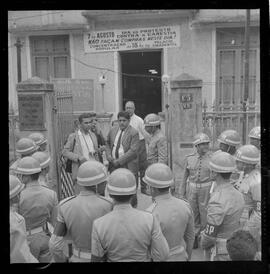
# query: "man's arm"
{"type": "Point", "coordinates": [159, 247]}
{"type": "Point", "coordinates": [162, 151]}
{"type": "Point", "coordinates": [132, 152]}
{"type": "Point", "coordinates": [183, 186]}
{"type": "Point", "coordinates": [68, 147]}
{"type": "Point", "coordinates": [97, 251]}
{"type": "Point", "coordinates": [108, 150]}
{"type": "Point", "coordinates": [57, 242]}
{"type": "Point", "coordinates": [189, 235]}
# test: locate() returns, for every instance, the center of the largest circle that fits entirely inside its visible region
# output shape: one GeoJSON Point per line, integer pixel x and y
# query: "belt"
{"type": "Point", "coordinates": [35, 230]}
{"type": "Point", "coordinates": [81, 254]}
{"type": "Point", "coordinates": [200, 185]}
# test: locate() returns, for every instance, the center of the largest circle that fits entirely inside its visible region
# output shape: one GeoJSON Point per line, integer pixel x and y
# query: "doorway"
{"type": "Point", "coordinates": [144, 91]}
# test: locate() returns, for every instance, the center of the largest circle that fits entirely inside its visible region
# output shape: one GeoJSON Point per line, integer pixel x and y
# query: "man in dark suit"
{"type": "Point", "coordinates": [121, 146]}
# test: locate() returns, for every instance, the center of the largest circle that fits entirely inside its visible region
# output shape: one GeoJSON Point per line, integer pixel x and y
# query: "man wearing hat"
{"type": "Point", "coordinates": [24, 147]}
{"type": "Point", "coordinates": [224, 209]}
{"type": "Point", "coordinates": [38, 205]}
{"type": "Point", "coordinates": [126, 233]}
{"type": "Point", "coordinates": [19, 249]}
{"type": "Point", "coordinates": [77, 213]}
{"type": "Point", "coordinates": [175, 215]}
{"type": "Point", "coordinates": [40, 140]}
{"type": "Point", "coordinates": [197, 181]}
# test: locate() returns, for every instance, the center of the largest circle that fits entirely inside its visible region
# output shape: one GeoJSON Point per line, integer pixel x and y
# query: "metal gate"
{"type": "Point", "coordinates": [64, 126]}
{"type": "Point", "coordinates": [222, 118]}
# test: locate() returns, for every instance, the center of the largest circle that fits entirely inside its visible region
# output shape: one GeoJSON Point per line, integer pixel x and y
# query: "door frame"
{"type": "Point", "coordinates": [119, 82]}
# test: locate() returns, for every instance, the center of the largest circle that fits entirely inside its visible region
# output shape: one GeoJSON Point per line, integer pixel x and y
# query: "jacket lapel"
{"type": "Point", "coordinates": [113, 135]}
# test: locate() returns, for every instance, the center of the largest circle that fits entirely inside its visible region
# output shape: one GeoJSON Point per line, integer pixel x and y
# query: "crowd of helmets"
{"type": "Point", "coordinates": [34, 158]}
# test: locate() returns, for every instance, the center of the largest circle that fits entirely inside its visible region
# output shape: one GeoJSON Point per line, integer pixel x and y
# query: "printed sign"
{"type": "Point", "coordinates": [31, 111]}
{"type": "Point", "coordinates": [130, 39]}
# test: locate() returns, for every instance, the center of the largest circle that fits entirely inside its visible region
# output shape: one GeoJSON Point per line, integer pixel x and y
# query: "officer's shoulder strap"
{"type": "Point", "coordinates": [151, 208]}
{"type": "Point", "coordinates": [186, 202]}
{"type": "Point", "coordinates": [105, 199]}
{"type": "Point", "coordinates": [66, 200]}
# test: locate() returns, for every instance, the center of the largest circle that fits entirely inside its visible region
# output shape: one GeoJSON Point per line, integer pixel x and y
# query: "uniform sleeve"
{"type": "Point", "coordinates": [67, 151]}
{"type": "Point", "coordinates": [19, 249]}
{"type": "Point", "coordinates": [215, 217]}
{"type": "Point", "coordinates": [189, 235]}
{"type": "Point", "coordinates": [60, 216]}
{"type": "Point", "coordinates": [183, 186]}
{"type": "Point", "coordinates": [162, 151]}
{"type": "Point", "coordinates": [159, 246]}
{"type": "Point", "coordinates": [96, 246]}
{"type": "Point", "coordinates": [54, 209]}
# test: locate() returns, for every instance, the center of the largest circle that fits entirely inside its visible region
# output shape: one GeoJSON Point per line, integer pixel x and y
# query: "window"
{"type": "Point", "coordinates": [50, 56]}
{"type": "Point", "coordinates": [230, 67]}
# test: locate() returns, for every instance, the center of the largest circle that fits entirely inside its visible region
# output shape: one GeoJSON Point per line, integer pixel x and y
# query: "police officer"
{"type": "Point", "coordinates": [255, 137]}
{"type": "Point", "coordinates": [229, 140]}
{"type": "Point", "coordinates": [224, 208]}
{"type": "Point", "coordinates": [44, 161]}
{"type": "Point", "coordinates": [40, 140]}
{"type": "Point", "coordinates": [247, 157]}
{"type": "Point", "coordinates": [38, 205]}
{"type": "Point", "coordinates": [77, 213]}
{"type": "Point", "coordinates": [126, 233]}
{"type": "Point", "coordinates": [197, 182]}
{"type": "Point", "coordinates": [24, 147]}
{"type": "Point", "coordinates": [174, 215]}
{"type": "Point", "coordinates": [157, 144]}
{"type": "Point", "coordinates": [19, 249]}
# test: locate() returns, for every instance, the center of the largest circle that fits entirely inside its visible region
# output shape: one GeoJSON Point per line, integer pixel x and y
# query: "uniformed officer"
{"type": "Point", "coordinates": [255, 137]}
{"type": "Point", "coordinates": [126, 233]}
{"type": "Point", "coordinates": [247, 157]}
{"type": "Point", "coordinates": [38, 205]}
{"type": "Point", "coordinates": [224, 208]}
{"type": "Point", "coordinates": [196, 182]}
{"type": "Point", "coordinates": [174, 215]}
{"type": "Point", "coordinates": [44, 160]}
{"type": "Point", "coordinates": [157, 144]}
{"type": "Point", "coordinates": [24, 147]}
{"type": "Point", "coordinates": [19, 249]}
{"type": "Point", "coordinates": [229, 140]}
{"type": "Point", "coordinates": [40, 140]}
{"type": "Point", "coordinates": [77, 213]}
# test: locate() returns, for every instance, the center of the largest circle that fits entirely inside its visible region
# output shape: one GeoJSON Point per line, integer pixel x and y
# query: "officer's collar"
{"type": "Point", "coordinates": [86, 192]}
{"type": "Point", "coordinates": [33, 183]}
{"type": "Point", "coordinates": [122, 206]}
{"type": "Point", "coordinates": [163, 196]}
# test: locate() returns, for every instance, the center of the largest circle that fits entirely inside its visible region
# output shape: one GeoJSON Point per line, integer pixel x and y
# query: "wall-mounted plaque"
{"type": "Point", "coordinates": [31, 111]}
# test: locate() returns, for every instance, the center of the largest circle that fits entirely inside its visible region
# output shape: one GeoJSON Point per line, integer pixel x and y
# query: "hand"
{"type": "Point", "coordinates": [115, 163]}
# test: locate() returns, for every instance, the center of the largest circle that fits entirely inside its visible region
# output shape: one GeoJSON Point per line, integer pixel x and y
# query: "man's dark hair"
{"type": "Point", "coordinates": [34, 177]}
{"type": "Point", "coordinates": [121, 198]}
{"type": "Point", "coordinates": [86, 115]}
{"type": "Point", "coordinates": [124, 114]}
{"type": "Point", "coordinates": [226, 176]}
{"type": "Point", "coordinates": [242, 246]}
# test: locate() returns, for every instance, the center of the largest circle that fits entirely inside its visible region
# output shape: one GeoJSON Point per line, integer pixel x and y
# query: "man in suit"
{"type": "Point", "coordinates": [81, 145]}
{"type": "Point", "coordinates": [121, 146]}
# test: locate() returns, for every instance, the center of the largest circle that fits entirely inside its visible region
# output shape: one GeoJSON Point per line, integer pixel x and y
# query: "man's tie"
{"type": "Point", "coordinates": [118, 145]}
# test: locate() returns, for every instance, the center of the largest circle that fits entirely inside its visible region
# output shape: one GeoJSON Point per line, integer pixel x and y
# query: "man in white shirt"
{"type": "Point", "coordinates": [138, 124]}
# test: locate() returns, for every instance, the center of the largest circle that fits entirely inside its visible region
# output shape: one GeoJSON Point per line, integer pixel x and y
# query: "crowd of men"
{"type": "Point", "coordinates": [216, 207]}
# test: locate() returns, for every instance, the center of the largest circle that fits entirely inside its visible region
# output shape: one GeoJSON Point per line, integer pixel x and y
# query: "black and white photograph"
{"type": "Point", "coordinates": [134, 135]}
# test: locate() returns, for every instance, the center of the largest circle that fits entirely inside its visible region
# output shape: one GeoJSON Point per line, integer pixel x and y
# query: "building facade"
{"type": "Point", "coordinates": [125, 53]}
